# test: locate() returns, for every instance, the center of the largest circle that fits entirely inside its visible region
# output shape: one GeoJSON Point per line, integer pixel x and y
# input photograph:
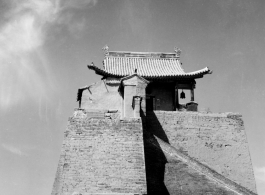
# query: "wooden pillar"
{"type": "Point", "coordinates": [154, 102]}
{"type": "Point", "coordinates": [176, 98]}
{"type": "Point", "coordinates": [192, 94]}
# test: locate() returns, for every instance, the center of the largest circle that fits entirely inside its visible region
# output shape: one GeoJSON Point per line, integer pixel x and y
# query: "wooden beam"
{"type": "Point", "coordinates": [184, 86]}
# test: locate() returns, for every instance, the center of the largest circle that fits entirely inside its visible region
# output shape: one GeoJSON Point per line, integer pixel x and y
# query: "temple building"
{"type": "Point", "coordinates": [162, 72]}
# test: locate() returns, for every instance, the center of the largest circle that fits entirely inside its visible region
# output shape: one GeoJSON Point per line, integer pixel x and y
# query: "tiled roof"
{"type": "Point", "coordinates": [148, 65]}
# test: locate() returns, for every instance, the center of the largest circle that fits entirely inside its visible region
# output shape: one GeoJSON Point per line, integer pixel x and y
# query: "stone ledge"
{"type": "Point", "coordinates": [224, 114]}
{"type": "Point", "coordinates": [138, 120]}
{"type": "Point", "coordinates": [97, 110]}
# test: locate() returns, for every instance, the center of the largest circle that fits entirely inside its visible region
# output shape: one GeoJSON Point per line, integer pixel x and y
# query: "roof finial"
{"type": "Point", "coordinates": [178, 51]}
{"type": "Point", "coordinates": [106, 49]}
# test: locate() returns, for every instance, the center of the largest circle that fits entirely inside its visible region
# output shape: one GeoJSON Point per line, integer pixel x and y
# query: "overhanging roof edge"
{"type": "Point", "coordinates": [195, 74]}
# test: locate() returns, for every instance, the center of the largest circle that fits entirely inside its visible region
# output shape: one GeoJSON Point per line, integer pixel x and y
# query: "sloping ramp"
{"type": "Point", "coordinates": [184, 175]}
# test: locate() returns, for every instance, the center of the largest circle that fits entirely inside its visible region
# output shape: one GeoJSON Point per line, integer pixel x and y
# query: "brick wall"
{"type": "Point", "coordinates": [101, 154]}
{"type": "Point", "coordinates": [216, 140]}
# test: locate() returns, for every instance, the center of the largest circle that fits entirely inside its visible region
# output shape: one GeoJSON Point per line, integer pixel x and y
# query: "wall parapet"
{"type": "Point", "coordinates": [209, 114]}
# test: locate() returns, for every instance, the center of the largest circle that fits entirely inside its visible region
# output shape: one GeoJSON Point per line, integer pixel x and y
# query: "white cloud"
{"type": "Point", "coordinates": [23, 73]}
{"type": "Point", "coordinates": [24, 67]}
{"type": "Point", "coordinates": [14, 150]}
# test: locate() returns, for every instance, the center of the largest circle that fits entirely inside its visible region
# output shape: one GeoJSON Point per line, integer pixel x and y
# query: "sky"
{"type": "Point", "coordinates": [45, 46]}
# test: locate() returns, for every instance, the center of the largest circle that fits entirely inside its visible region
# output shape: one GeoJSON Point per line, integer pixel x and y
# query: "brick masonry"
{"type": "Point", "coordinates": [185, 175]}
{"type": "Point", "coordinates": [101, 154]}
{"type": "Point", "coordinates": [215, 140]}
{"type": "Point", "coordinates": [181, 179]}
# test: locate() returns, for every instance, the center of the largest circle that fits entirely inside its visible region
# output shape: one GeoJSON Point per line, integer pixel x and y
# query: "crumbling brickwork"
{"type": "Point", "coordinates": [216, 140]}
{"type": "Point", "coordinates": [101, 154]}
{"type": "Point", "coordinates": [101, 95]}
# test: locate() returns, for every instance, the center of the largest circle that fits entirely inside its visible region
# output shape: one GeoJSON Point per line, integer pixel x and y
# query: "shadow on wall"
{"type": "Point", "coordinates": [155, 159]}
{"type": "Point", "coordinates": [154, 127]}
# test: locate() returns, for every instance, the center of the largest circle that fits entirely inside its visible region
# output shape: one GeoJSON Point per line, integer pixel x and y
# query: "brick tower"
{"type": "Point", "coordinates": [131, 135]}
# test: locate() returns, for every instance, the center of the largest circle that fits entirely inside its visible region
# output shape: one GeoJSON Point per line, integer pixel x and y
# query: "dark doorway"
{"type": "Point", "coordinates": [150, 103]}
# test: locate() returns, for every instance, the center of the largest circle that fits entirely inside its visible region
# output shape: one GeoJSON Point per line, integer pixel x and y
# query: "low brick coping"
{"type": "Point", "coordinates": [97, 110]}
{"type": "Point", "coordinates": [210, 114]}
{"type": "Point", "coordinates": [191, 102]}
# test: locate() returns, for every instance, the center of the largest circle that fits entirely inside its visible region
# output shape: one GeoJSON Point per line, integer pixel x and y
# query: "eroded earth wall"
{"type": "Point", "coordinates": [101, 154]}
{"type": "Point", "coordinates": [101, 95]}
{"type": "Point", "coordinates": [216, 140]}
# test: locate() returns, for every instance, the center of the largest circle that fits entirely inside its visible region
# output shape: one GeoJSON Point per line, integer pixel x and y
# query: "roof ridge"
{"type": "Point", "coordinates": [131, 54]}
{"type": "Point", "coordinates": [175, 54]}
{"type": "Point", "coordinates": [144, 52]}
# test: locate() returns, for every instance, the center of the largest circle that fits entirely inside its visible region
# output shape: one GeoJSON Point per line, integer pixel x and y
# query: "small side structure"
{"type": "Point", "coordinates": [132, 90]}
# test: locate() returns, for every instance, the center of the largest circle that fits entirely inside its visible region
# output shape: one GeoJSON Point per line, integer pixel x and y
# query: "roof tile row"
{"type": "Point", "coordinates": [146, 67]}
